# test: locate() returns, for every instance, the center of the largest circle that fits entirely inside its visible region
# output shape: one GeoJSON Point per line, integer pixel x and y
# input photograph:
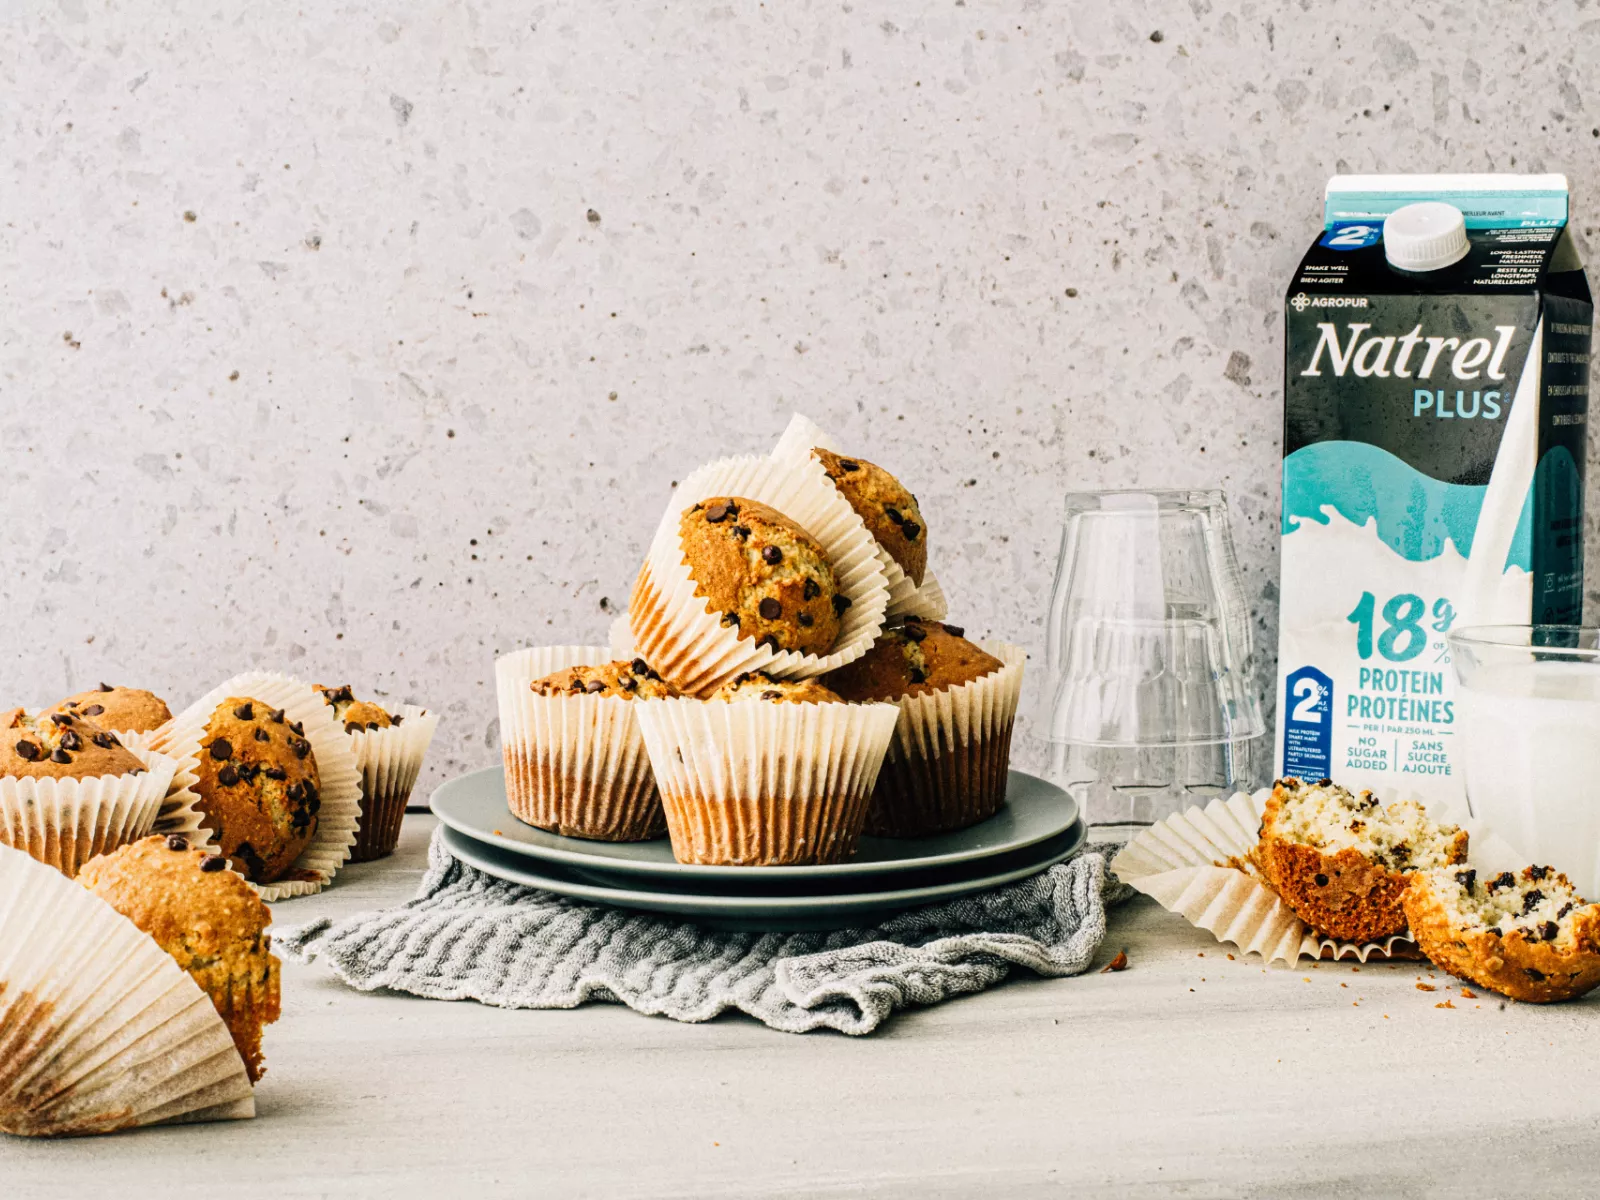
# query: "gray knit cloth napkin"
{"type": "Point", "coordinates": [470, 936]}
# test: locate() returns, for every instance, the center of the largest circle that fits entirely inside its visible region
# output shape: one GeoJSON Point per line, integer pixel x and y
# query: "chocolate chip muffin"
{"type": "Point", "coordinates": [758, 685]}
{"type": "Point", "coordinates": [60, 746]}
{"type": "Point", "coordinates": [355, 714]}
{"type": "Point", "coordinates": [1342, 860]}
{"type": "Point", "coordinates": [947, 766]}
{"type": "Point", "coordinates": [206, 918]}
{"type": "Point", "coordinates": [259, 788]}
{"type": "Point", "coordinates": [129, 710]}
{"type": "Point", "coordinates": [766, 575]}
{"type": "Point", "coordinates": [888, 510]}
{"type": "Point", "coordinates": [914, 658]}
{"type": "Point", "coordinates": [624, 678]}
{"type": "Point", "coordinates": [1529, 936]}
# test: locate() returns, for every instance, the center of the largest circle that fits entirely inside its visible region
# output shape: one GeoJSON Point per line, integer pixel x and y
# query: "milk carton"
{"type": "Point", "coordinates": [1436, 379]}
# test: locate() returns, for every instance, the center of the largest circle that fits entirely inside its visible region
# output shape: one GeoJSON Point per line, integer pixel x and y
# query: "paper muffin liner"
{"type": "Point", "coordinates": [757, 783]}
{"type": "Point", "coordinates": [575, 765]}
{"type": "Point", "coordinates": [621, 638]}
{"type": "Point", "coordinates": [691, 647]}
{"type": "Point", "coordinates": [340, 815]}
{"type": "Point", "coordinates": [802, 436]}
{"type": "Point", "coordinates": [946, 768]}
{"type": "Point", "coordinates": [64, 823]}
{"type": "Point", "coordinates": [389, 761]}
{"type": "Point", "coordinates": [180, 810]}
{"type": "Point", "coordinates": [1197, 863]}
{"type": "Point", "coordinates": [100, 1030]}
{"type": "Point", "coordinates": [927, 601]}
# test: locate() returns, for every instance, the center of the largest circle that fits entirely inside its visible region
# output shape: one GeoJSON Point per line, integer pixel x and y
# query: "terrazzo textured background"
{"type": "Point", "coordinates": [367, 343]}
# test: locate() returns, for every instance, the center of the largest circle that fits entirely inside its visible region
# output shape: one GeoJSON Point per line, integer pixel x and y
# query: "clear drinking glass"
{"type": "Point", "coordinates": [1153, 698]}
{"type": "Point", "coordinates": [1529, 740]}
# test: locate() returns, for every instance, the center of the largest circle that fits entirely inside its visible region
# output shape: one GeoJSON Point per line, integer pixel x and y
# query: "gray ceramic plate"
{"type": "Point", "coordinates": [475, 805]}
{"type": "Point", "coordinates": [831, 910]}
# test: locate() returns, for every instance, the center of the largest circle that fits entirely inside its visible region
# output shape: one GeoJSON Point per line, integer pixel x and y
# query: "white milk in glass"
{"type": "Point", "coordinates": [1531, 749]}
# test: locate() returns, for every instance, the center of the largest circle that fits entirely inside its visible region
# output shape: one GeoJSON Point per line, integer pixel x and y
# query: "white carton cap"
{"type": "Point", "coordinates": [1425, 236]}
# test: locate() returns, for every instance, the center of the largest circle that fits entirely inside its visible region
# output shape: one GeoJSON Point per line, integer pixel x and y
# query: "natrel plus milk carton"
{"type": "Point", "coordinates": [1436, 381]}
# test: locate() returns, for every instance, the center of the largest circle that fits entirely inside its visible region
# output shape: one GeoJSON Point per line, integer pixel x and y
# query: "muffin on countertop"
{"type": "Point", "coordinates": [259, 788]}
{"type": "Point", "coordinates": [206, 918]}
{"type": "Point", "coordinates": [60, 746]}
{"type": "Point", "coordinates": [758, 685]}
{"type": "Point", "coordinates": [766, 575]}
{"type": "Point", "coordinates": [629, 680]}
{"type": "Point", "coordinates": [355, 714]}
{"type": "Point", "coordinates": [914, 658]}
{"type": "Point", "coordinates": [130, 710]}
{"type": "Point", "coordinates": [888, 510]}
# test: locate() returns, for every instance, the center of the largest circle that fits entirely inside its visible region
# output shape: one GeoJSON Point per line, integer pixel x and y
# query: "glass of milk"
{"type": "Point", "coordinates": [1529, 739]}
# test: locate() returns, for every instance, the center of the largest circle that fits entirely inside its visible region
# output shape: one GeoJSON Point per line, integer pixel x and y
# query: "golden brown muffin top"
{"type": "Point", "coordinates": [766, 575]}
{"type": "Point", "coordinates": [626, 679]}
{"type": "Point", "coordinates": [129, 710]}
{"type": "Point", "coordinates": [888, 510]}
{"type": "Point", "coordinates": [355, 714]}
{"type": "Point", "coordinates": [60, 746]}
{"type": "Point", "coordinates": [758, 685]}
{"type": "Point", "coordinates": [259, 786]}
{"type": "Point", "coordinates": [207, 918]}
{"type": "Point", "coordinates": [913, 659]}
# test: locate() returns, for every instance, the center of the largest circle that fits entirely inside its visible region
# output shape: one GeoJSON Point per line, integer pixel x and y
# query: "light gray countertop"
{"type": "Point", "coordinates": [1186, 1074]}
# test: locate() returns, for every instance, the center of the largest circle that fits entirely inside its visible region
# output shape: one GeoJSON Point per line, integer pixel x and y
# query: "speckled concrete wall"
{"type": "Point", "coordinates": [366, 344]}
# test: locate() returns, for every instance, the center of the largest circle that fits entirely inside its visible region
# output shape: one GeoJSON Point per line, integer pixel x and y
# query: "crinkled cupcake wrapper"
{"type": "Point", "coordinates": [340, 814]}
{"type": "Point", "coordinates": [575, 765]}
{"type": "Point", "coordinates": [1197, 863]}
{"type": "Point", "coordinates": [66, 822]}
{"type": "Point", "coordinates": [927, 601]}
{"type": "Point", "coordinates": [675, 634]}
{"type": "Point", "coordinates": [755, 783]}
{"type": "Point", "coordinates": [389, 761]}
{"type": "Point", "coordinates": [946, 767]}
{"type": "Point", "coordinates": [99, 1028]}
{"type": "Point", "coordinates": [180, 811]}
{"type": "Point", "coordinates": [621, 639]}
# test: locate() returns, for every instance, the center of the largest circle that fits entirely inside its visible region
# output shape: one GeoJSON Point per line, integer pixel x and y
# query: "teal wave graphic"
{"type": "Point", "coordinates": [1415, 513]}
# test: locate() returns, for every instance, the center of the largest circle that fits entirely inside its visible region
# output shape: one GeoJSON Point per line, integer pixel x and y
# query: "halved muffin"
{"type": "Point", "coordinates": [1529, 936]}
{"type": "Point", "coordinates": [1342, 860]}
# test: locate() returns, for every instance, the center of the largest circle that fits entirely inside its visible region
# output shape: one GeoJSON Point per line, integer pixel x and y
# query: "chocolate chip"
{"type": "Point", "coordinates": [106, 687]}
{"type": "Point", "coordinates": [248, 771]}
{"type": "Point", "coordinates": [894, 515]}
{"type": "Point", "coordinates": [61, 718]}
{"type": "Point", "coordinates": [58, 755]}
{"type": "Point", "coordinates": [910, 529]}
{"type": "Point", "coordinates": [717, 512]}
{"type": "Point", "coordinates": [1549, 931]}
{"type": "Point", "coordinates": [741, 677]}
{"type": "Point", "coordinates": [300, 746]}
{"type": "Point", "coordinates": [1503, 880]}
{"type": "Point", "coordinates": [846, 464]}
{"type": "Point", "coordinates": [772, 555]}
{"type": "Point", "coordinates": [298, 728]}
{"type": "Point", "coordinates": [639, 666]}
{"type": "Point", "coordinates": [106, 741]}
{"type": "Point", "coordinates": [1534, 974]}
{"type": "Point", "coordinates": [1538, 872]}
{"type": "Point", "coordinates": [575, 687]}
{"type": "Point", "coordinates": [595, 685]}
{"type": "Point", "coordinates": [28, 751]}
{"type": "Point", "coordinates": [371, 725]}
{"type": "Point", "coordinates": [770, 642]}
{"type": "Point", "coordinates": [731, 618]}
{"type": "Point", "coordinates": [958, 631]}
{"type": "Point", "coordinates": [245, 712]}
{"type": "Point", "coordinates": [914, 633]}
{"type": "Point", "coordinates": [221, 748]}
{"type": "Point", "coordinates": [811, 589]}
{"type": "Point", "coordinates": [772, 695]}
{"type": "Point", "coordinates": [252, 861]}
{"type": "Point", "coordinates": [395, 721]}
{"type": "Point", "coordinates": [276, 773]}
{"type": "Point", "coordinates": [212, 863]}
{"type": "Point", "coordinates": [229, 775]}
{"type": "Point", "coordinates": [805, 619]}
{"type": "Point", "coordinates": [769, 608]}
{"type": "Point", "coordinates": [1322, 880]}
{"type": "Point", "coordinates": [352, 726]}
{"type": "Point", "coordinates": [1564, 909]}
{"type": "Point", "coordinates": [1495, 929]}
{"type": "Point", "coordinates": [71, 741]}
{"type": "Point", "coordinates": [1323, 782]}
{"type": "Point", "coordinates": [263, 736]}
{"type": "Point", "coordinates": [94, 710]}
{"type": "Point", "coordinates": [918, 675]}
{"type": "Point", "coordinates": [296, 792]}
{"type": "Point", "coordinates": [1466, 879]}
{"type": "Point", "coordinates": [177, 842]}
{"type": "Point", "coordinates": [840, 603]}
{"type": "Point", "coordinates": [276, 716]}
{"type": "Point", "coordinates": [742, 532]}
{"type": "Point", "coordinates": [630, 684]}
{"type": "Point", "coordinates": [1530, 901]}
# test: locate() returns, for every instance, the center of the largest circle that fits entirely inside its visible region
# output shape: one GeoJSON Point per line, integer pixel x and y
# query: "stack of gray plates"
{"type": "Point", "coordinates": [1038, 827]}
